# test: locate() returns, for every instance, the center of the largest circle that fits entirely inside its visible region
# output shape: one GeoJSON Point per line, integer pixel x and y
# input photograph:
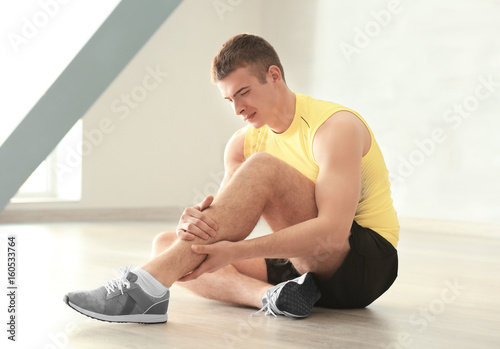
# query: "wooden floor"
{"type": "Point", "coordinates": [446, 296]}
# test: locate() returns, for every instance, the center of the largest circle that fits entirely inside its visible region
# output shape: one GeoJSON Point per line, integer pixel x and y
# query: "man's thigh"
{"type": "Point", "coordinates": [296, 203]}
{"type": "Point", "coordinates": [293, 201]}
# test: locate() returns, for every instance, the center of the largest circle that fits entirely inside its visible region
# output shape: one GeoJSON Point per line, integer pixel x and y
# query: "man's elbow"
{"type": "Point", "coordinates": [333, 236]}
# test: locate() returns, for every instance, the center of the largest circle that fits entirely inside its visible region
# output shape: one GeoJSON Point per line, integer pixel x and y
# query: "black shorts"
{"type": "Point", "coordinates": [369, 269]}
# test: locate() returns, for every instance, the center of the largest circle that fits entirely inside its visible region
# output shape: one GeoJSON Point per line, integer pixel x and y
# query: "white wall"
{"type": "Point", "coordinates": [403, 78]}
{"type": "Point", "coordinates": [408, 66]}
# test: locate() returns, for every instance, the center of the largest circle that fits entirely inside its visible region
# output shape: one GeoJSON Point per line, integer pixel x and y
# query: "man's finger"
{"type": "Point", "coordinates": [184, 235]}
{"type": "Point", "coordinates": [201, 216]}
{"type": "Point", "coordinates": [202, 249]}
{"type": "Point", "coordinates": [192, 216]}
{"type": "Point", "coordinates": [206, 202]}
{"type": "Point", "coordinates": [190, 228]}
{"type": "Point", "coordinates": [202, 226]}
{"type": "Point", "coordinates": [201, 221]}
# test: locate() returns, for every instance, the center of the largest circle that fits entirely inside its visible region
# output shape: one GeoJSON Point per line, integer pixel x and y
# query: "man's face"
{"type": "Point", "coordinates": [251, 100]}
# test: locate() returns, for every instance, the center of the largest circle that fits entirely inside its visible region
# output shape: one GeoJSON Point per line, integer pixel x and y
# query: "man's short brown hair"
{"type": "Point", "coordinates": [245, 50]}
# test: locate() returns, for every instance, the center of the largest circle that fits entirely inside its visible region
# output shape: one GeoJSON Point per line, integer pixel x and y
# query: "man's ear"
{"type": "Point", "coordinates": [275, 73]}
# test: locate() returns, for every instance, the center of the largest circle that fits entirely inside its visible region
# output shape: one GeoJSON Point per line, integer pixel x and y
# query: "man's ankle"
{"type": "Point", "coordinates": [149, 283]}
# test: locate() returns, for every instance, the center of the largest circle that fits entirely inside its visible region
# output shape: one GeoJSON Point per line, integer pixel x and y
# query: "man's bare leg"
{"type": "Point", "coordinates": [243, 282]}
{"type": "Point", "coordinates": [292, 201]}
{"type": "Point", "coordinates": [262, 184]}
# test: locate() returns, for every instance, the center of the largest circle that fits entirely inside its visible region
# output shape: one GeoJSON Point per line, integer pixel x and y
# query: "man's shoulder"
{"type": "Point", "coordinates": [235, 145]}
{"type": "Point", "coordinates": [238, 138]}
{"type": "Point", "coordinates": [345, 129]}
{"type": "Point", "coordinates": [307, 99]}
{"type": "Point", "coordinates": [315, 110]}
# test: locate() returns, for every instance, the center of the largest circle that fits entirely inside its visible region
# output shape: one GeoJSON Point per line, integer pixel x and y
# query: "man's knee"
{"type": "Point", "coordinates": [266, 167]}
{"type": "Point", "coordinates": [164, 240]}
{"type": "Point", "coordinates": [260, 168]}
{"type": "Point", "coordinates": [265, 163]}
{"type": "Point", "coordinates": [306, 264]}
{"type": "Point", "coordinates": [325, 261]}
{"type": "Point", "coordinates": [261, 159]}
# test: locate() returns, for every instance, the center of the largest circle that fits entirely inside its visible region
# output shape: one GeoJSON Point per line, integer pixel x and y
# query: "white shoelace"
{"type": "Point", "coordinates": [119, 282]}
{"type": "Point", "coordinates": [270, 306]}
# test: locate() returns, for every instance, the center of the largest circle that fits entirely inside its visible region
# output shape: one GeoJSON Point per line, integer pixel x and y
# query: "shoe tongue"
{"type": "Point", "coordinates": [132, 277]}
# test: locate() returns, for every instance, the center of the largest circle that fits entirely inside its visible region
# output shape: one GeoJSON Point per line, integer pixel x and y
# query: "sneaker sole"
{"type": "Point", "coordinates": [136, 318]}
{"type": "Point", "coordinates": [299, 298]}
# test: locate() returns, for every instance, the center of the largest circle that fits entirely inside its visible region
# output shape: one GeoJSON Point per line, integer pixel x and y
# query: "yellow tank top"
{"type": "Point", "coordinates": [295, 146]}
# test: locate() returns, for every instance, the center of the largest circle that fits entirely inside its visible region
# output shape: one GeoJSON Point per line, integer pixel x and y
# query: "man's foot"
{"type": "Point", "coordinates": [294, 298]}
{"type": "Point", "coordinates": [121, 300]}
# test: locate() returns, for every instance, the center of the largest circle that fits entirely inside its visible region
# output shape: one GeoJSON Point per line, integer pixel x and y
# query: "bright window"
{"type": "Point", "coordinates": [41, 182]}
{"type": "Point", "coordinates": [59, 176]}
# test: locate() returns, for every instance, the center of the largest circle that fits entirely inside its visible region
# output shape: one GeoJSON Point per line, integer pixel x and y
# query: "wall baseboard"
{"type": "Point", "coordinates": [455, 228]}
{"type": "Point", "coordinates": [171, 214]}
{"type": "Point", "coordinates": [160, 214]}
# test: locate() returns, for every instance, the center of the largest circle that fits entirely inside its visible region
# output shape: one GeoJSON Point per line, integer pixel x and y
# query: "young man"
{"type": "Point", "coordinates": [312, 170]}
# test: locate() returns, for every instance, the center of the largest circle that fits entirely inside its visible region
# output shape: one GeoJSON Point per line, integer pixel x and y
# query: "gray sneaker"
{"type": "Point", "coordinates": [120, 300]}
{"type": "Point", "coordinates": [294, 298]}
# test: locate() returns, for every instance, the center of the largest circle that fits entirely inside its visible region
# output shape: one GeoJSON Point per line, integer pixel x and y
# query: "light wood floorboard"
{"type": "Point", "coordinates": [446, 296]}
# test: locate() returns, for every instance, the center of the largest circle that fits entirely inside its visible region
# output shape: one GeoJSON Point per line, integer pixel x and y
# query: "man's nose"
{"type": "Point", "coordinates": [238, 108]}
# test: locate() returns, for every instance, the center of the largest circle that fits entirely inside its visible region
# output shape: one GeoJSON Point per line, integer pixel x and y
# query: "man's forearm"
{"type": "Point", "coordinates": [313, 237]}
